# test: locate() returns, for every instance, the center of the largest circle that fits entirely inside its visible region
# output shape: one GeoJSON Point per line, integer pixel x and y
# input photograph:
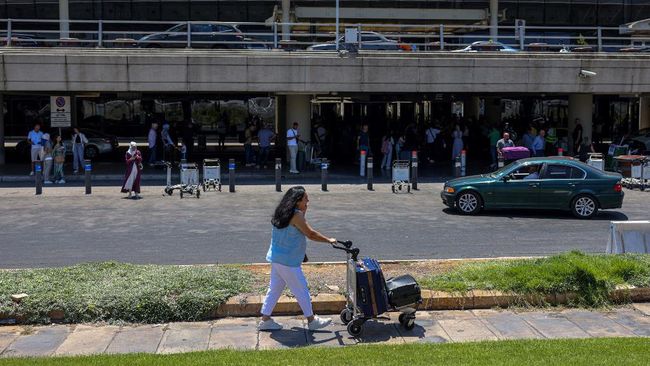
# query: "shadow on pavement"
{"type": "Point", "coordinates": [541, 214]}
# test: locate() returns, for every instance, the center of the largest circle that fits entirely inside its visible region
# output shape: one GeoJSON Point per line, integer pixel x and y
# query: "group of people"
{"type": "Point", "coordinates": [163, 142]}
{"type": "Point", "coordinates": [264, 136]}
{"type": "Point", "coordinates": [52, 152]}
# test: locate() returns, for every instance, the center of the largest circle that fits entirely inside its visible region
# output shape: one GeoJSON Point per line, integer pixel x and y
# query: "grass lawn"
{"type": "Point", "coordinates": [591, 277]}
{"type": "Point", "coordinates": [120, 292]}
{"type": "Point", "coordinates": [603, 351]}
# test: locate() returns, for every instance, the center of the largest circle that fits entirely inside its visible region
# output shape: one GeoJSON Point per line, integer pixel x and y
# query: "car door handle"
{"type": "Point", "coordinates": [533, 185]}
{"type": "Point", "coordinates": [572, 185]}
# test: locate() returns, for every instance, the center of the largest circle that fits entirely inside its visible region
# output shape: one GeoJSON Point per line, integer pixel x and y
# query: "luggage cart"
{"type": "Point", "coordinates": [190, 180]}
{"type": "Point", "coordinates": [352, 315]}
{"type": "Point", "coordinates": [401, 176]}
{"type": "Point", "coordinates": [596, 160]}
{"type": "Point", "coordinates": [211, 174]}
{"type": "Point", "coordinates": [639, 174]}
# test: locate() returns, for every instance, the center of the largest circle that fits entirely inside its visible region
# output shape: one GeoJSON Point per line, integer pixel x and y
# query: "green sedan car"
{"type": "Point", "coordinates": [559, 183]}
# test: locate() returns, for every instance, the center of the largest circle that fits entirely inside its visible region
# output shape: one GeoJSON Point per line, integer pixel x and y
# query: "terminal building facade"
{"type": "Point", "coordinates": [128, 113]}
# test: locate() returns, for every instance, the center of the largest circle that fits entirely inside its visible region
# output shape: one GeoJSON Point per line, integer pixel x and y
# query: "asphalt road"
{"type": "Point", "coordinates": [63, 226]}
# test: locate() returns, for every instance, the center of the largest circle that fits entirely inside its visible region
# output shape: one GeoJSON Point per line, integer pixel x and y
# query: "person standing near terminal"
{"type": "Point", "coordinates": [131, 183]}
{"type": "Point", "coordinates": [292, 144]}
{"type": "Point", "coordinates": [286, 254]}
{"type": "Point", "coordinates": [34, 139]}
{"type": "Point", "coordinates": [430, 136]}
{"type": "Point", "coordinates": [577, 135]}
{"type": "Point", "coordinates": [79, 142]}
{"type": "Point", "coordinates": [504, 142]}
{"type": "Point", "coordinates": [457, 146]}
{"type": "Point", "coordinates": [46, 155]}
{"type": "Point", "coordinates": [539, 143]}
{"type": "Point", "coordinates": [264, 138]}
{"type": "Point", "coordinates": [387, 143]}
{"type": "Point", "coordinates": [152, 140]}
{"type": "Point", "coordinates": [493, 137]}
{"type": "Point", "coordinates": [58, 154]}
{"type": "Point", "coordinates": [363, 141]}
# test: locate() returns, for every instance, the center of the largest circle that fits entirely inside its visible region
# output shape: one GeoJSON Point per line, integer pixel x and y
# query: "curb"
{"type": "Point", "coordinates": [245, 306]}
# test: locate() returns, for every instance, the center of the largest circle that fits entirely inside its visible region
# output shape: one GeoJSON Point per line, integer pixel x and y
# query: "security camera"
{"type": "Point", "coordinates": [586, 74]}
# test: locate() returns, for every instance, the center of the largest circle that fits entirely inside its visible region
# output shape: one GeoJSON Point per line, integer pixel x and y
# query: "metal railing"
{"type": "Point", "coordinates": [260, 36]}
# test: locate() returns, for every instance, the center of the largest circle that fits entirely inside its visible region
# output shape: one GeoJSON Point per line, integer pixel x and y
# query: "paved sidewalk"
{"type": "Point", "coordinates": [432, 327]}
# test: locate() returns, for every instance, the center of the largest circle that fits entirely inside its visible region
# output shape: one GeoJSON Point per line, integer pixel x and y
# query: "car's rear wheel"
{"type": "Point", "coordinates": [584, 206]}
{"type": "Point", "coordinates": [468, 203]}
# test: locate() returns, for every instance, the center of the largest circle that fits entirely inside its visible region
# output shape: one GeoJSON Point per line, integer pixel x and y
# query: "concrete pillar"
{"type": "Point", "coordinates": [494, 20]}
{"type": "Point", "coordinates": [2, 130]}
{"type": "Point", "coordinates": [493, 111]}
{"type": "Point", "coordinates": [286, 18]}
{"type": "Point", "coordinates": [580, 106]}
{"type": "Point", "coordinates": [644, 112]}
{"type": "Point", "coordinates": [64, 17]}
{"type": "Point", "coordinates": [472, 107]}
{"type": "Point", "coordinates": [298, 109]}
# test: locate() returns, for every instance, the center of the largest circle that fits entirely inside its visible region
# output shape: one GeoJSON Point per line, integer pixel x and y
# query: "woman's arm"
{"type": "Point", "coordinates": [299, 221]}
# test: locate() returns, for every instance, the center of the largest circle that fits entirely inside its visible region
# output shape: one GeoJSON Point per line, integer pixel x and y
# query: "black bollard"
{"type": "Point", "coordinates": [414, 170]}
{"type": "Point", "coordinates": [370, 172]}
{"type": "Point", "coordinates": [324, 166]}
{"type": "Point", "coordinates": [463, 163]}
{"type": "Point", "coordinates": [231, 175]}
{"type": "Point", "coordinates": [38, 176]}
{"type": "Point", "coordinates": [457, 166]}
{"type": "Point", "coordinates": [87, 178]}
{"type": "Point", "coordinates": [278, 175]}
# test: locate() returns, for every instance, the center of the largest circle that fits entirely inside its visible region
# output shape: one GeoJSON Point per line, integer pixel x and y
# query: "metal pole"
{"type": "Point", "coordinates": [600, 39]}
{"type": "Point", "coordinates": [442, 37]}
{"type": "Point", "coordinates": [9, 31]}
{"type": "Point", "coordinates": [38, 176]}
{"type": "Point", "coordinates": [189, 34]}
{"type": "Point", "coordinates": [358, 37]}
{"type": "Point", "coordinates": [2, 132]}
{"type": "Point", "coordinates": [275, 34]}
{"type": "Point", "coordinates": [100, 33]}
{"type": "Point", "coordinates": [324, 166]}
{"type": "Point", "coordinates": [370, 172]}
{"type": "Point", "coordinates": [278, 175]}
{"type": "Point", "coordinates": [522, 37]}
{"type": "Point", "coordinates": [494, 20]}
{"type": "Point", "coordinates": [414, 170]}
{"type": "Point", "coordinates": [457, 164]}
{"type": "Point", "coordinates": [169, 173]}
{"type": "Point", "coordinates": [337, 25]}
{"type": "Point", "coordinates": [64, 19]}
{"type": "Point", "coordinates": [87, 170]}
{"type": "Point", "coordinates": [362, 163]}
{"type": "Point", "coordinates": [286, 19]}
{"type": "Point", "coordinates": [231, 175]}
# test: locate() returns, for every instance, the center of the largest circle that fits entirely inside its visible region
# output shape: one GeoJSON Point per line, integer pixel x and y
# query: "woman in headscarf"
{"type": "Point", "coordinates": [133, 171]}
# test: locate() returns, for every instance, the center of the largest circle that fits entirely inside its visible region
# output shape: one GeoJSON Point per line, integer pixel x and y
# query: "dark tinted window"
{"type": "Point", "coordinates": [563, 172]}
{"type": "Point", "coordinates": [201, 28]}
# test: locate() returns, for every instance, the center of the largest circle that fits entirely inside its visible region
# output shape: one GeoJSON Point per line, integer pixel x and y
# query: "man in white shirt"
{"type": "Point", "coordinates": [34, 138]}
{"type": "Point", "coordinates": [151, 139]}
{"type": "Point", "coordinates": [292, 143]}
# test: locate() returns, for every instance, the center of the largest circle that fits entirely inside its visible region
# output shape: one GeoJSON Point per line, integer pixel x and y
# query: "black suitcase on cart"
{"type": "Point", "coordinates": [402, 291]}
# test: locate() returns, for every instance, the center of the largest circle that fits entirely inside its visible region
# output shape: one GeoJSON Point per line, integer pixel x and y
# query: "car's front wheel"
{"type": "Point", "coordinates": [468, 203]}
{"type": "Point", "coordinates": [584, 206]}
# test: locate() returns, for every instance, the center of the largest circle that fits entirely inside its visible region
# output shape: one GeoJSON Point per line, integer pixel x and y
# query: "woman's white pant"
{"type": "Point", "coordinates": [282, 276]}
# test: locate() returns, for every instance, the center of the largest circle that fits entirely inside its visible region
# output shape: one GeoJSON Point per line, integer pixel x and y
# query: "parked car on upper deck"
{"type": "Point", "coordinates": [370, 41]}
{"type": "Point", "coordinates": [559, 183]}
{"type": "Point", "coordinates": [487, 46]}
{"type": "Point", "coordinates": [203, 35]}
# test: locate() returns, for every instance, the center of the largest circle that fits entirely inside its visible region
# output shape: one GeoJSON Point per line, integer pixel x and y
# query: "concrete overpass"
{"type": "Point", "coordinates": [296, 76]}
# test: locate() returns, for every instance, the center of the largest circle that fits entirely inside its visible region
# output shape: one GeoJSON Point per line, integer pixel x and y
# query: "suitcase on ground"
{"type": "Point", "coordinates": [515, 153]}
{"type": "Point", "coordinates": [371, 288]}
{"type": "Point", "coordinates": [402, 291]}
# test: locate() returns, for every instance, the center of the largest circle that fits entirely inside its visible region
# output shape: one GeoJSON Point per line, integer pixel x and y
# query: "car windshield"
{"type": "Point", "coordinates": [503, 170]}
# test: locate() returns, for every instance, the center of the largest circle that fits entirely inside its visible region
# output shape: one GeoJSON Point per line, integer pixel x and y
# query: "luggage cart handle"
{"type": "Point", "coordinates": [347, 247]}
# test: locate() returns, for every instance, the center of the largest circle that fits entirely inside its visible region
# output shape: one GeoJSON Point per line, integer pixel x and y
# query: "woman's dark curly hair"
{"type": "Point", "coordinates": [285, 210]}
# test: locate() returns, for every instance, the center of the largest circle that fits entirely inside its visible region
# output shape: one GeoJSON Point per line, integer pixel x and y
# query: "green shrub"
{"type": "Point", "coordinates": [590, 277]}
{"type": "Point", "coordinates": [121, 292]}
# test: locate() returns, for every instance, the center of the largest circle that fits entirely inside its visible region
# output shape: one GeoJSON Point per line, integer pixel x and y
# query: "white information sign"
{"type": "Point", "coordinates": [60, 111]}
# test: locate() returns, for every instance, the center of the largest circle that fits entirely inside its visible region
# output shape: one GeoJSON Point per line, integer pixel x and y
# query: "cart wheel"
{"type": "Point", "coordinates": [401, 318]}
{"type": "Point", "coordinates": [219, 187]}
{"type": "Point", "coordinates": [355, 327]}
{"type": "Point", "coordinates": [407, 321]}
{"type": "Point", "coordinates": [169, 191]}
{"type": "Point", "coordinates": [408, 189]}
{"type": "Point", "coordinates": [198, 193]}
{"type": "Point", "coordinates": [346, 316]}
{"type": "Point", "coordinates": [181, 192]}
{"type": "Point", "coordinates": [393, 187]}
{"type": "Point", "coordinates": [204, 188]}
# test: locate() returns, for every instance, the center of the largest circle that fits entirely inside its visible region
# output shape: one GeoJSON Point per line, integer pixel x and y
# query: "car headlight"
{"type": "Point", "coordinates": [450, 190]}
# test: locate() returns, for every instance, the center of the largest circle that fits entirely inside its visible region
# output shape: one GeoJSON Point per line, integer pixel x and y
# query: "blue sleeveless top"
{"type": "Point", "coordinates": [288, 246]}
